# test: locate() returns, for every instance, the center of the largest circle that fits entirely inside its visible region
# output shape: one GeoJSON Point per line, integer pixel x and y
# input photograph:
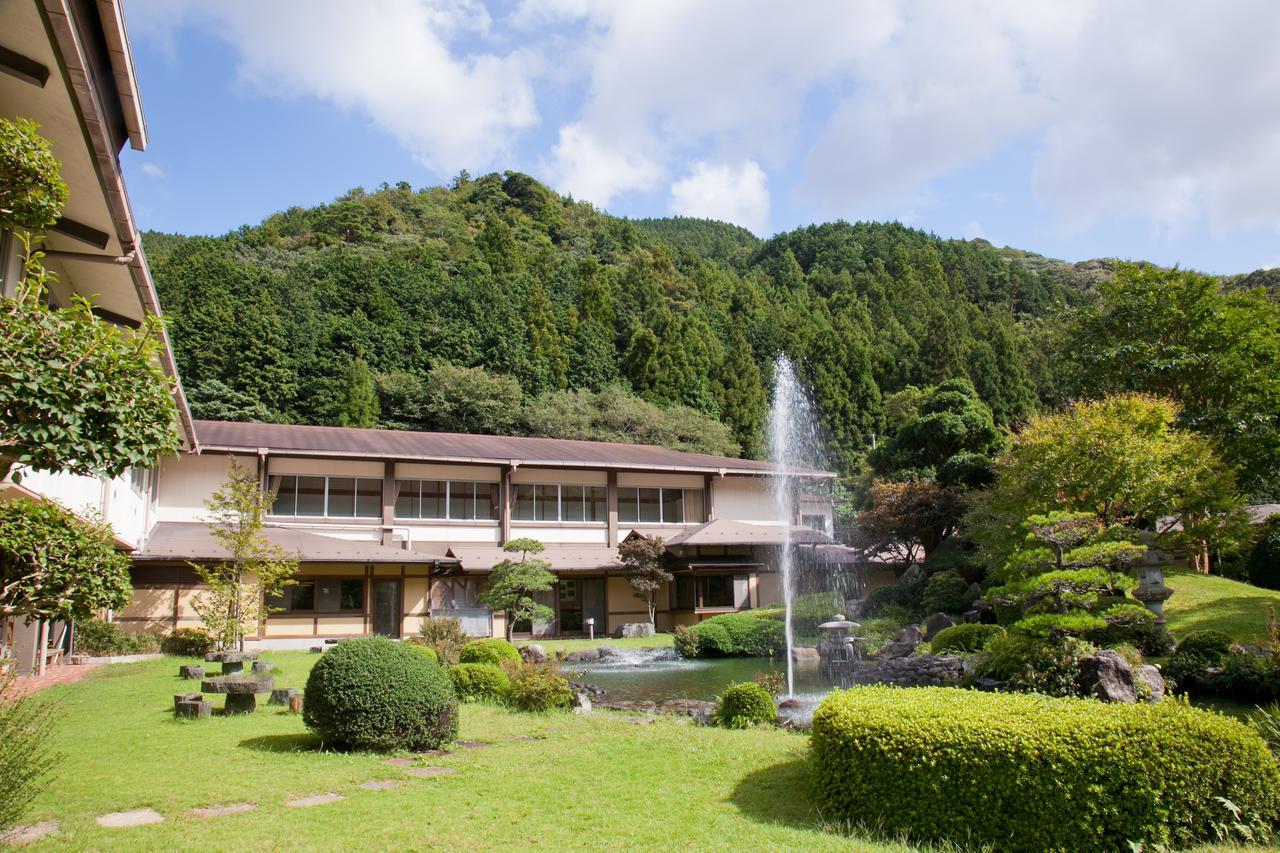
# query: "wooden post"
{"type": "Point", "coordinates": [504, 506]}
{"type": "Point", "coordinates": [388, 503]}
{"type": "Point", "coordinates": [42, 645]}
{"type": "Point", "coordinates": [708, 498]}
{"type": "Point", "coordinates": [611, 503]}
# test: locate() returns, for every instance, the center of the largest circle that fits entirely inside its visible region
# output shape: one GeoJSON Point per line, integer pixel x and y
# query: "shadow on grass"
{"type": "Point", "coordinates": [779, 794]}
{"type": "Point", "coordinates": [283, 743]}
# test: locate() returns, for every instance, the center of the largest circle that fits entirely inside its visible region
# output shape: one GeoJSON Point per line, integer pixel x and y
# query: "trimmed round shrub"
{"type": "Point", "coordinates": [426, 651]}
{"type": "Point", "coordinates": [946, 592]}
{"type": "Point", "coordinates": [686, 642]}
{"type": "Point", "coordinates": [479, 682]}
{"type": "Point", "coordinates": [492, 650]}
{"type": "Point", "coordinates": [1188, 671]}
{"type": "Point", "coordinates": [736, 635]}
{"type": "Point", "coordinates": [745, 705]}
{"type": "Point", "coordinates": [538, 687]}
{"type": "Point", "coordinates": [187, 643]}
{"type": "Point", "coordinates": [375, 693]}
{"type": "Point", "coordinates": [97, 638]}
{"type": "Point", "coordinates": [1211, 645]}
{"type": "Point", "coordinates": [964, 639]}
{"type": "Point", "coordinates": [1027, 772]}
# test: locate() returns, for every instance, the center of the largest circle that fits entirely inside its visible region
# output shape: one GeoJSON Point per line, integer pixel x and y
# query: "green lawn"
{"type": "Point", "coordinates": [592, 782]}
{"type": "Point", "coordinates": [657, 641]}
{"type": "Point", "coordinates": [1203, 602]}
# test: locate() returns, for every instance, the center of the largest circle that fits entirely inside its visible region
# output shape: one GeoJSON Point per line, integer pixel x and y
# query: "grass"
{"type": "Point", "coordinates": [1204, 602]}
{"type": "Point", "coordinates": [657, 641]}
{"type": "Point", "coordinates": [590, 782]}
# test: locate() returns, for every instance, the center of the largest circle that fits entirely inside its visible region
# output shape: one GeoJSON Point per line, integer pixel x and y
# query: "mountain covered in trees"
{"type": "Point", "coordinates": [497, 305]}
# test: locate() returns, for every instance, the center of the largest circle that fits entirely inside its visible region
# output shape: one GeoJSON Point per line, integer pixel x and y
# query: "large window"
{"type": "Point", "coordinates": [327, 497]}
{"type": "Point", "coordinates": [694, 592]}
{"type": "Point", "coordinates": [454, 500]}
{"type": "Point", "coordinates": [548, 502]}
{"type": "Point", "coordinates": [320, 595]}
{"type": "Point", "coordinates": [659, 506]}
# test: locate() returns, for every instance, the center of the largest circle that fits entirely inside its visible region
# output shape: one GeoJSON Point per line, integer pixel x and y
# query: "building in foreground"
{"type": "Point", "coordinates": [390, 527]}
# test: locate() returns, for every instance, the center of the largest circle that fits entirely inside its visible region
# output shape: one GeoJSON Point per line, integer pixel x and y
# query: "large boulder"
{"type": "Point", "coordinates": [805, 656]}
{"type": "Point", "coordinates": [936, 623]}
{"type": "Point", "coordinates": [633, 629]}
{"type": "Point", "coordinates": [1109, 677]}
{"type": "Point", "coordinates": [904, 644]}
{"type": "Point", "coordinates": [533, 653]}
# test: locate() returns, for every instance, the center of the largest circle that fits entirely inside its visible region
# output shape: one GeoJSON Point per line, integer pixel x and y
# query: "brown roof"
{"type": "Point", "coordinates": [173, 540]}
{"type": "Point", "coordinates": [724, 531]}
{"type": "Point", "coordinates": [482, 558]}
{"type": "Point", "coordinates": [403, 445]}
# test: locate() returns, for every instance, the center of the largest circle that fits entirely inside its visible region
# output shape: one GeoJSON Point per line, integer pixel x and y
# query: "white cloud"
{"type": "Point", "coordinates": [973, 230]}
{"type": "Point", "coordinates": [153, 170]}
{"type": "Point", "coordinates": [736, 193]}
{"type": "Point", "coordinates": [397, 61]}
{"type": "Point", "coordinates": [596, 171]}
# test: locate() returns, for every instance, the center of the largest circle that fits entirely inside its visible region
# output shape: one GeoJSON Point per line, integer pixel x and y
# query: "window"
{"type": "Point", "coordinates": [659, 506]}
{"type": "Point", "coordinates": [139, 479]}
{"type": "Point", "coordinates": [816, 522]}
{"type": "Point", "coordinates": [454, 500]}
{"type": "Point", "coordinates": [327, 497]}
{"type": "Point", "coordinates": [546, 502]}
{"type": "Point", "coordinates": [320, 595]}
{"type": "Point", "coordinates": [694, 592]}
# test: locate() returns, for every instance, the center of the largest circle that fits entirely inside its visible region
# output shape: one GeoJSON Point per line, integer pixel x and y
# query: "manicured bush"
{"type": "Point", "coordinates": [426, 651]}
{"type": "Point", "coordinates": [445, 635]}
{"type": "Point", "coordinates": [946, 592]}
{"type": "Point", "coordinates": [1207, 644]}
{"type": "Point", "coordinates": [187, 643]}
{"type": "Point", "coordinates": [963, 639]}
{"type": "Point", "coordinates": [479, 682]}
{"type": "Point", "coordinates": [537, 687]}
{"type": "Point", "coordinates": [738, 635]}
{"type": "Point", "coordinates": [742, 706]}
{"type": "Point", "coordinates": [1134, 625]}
{"type": "Point", "coordinates": [1188, 671]}
{"type": "Point", "coordinates": [907, 594]}
{"type": "Point", "coordinates": [686, 641]}
{"type": "Point", "coordinates": [375, 693]}
{"type": "Point", "coordinates": [101, 639]}
{"type": "Point", "coordinates": [492, 650]}
{"type": "Point", "coordinates": [1034, 665]}
{"type": "Point", "coordinates": [1034, 773]}
{"type": "Point", "coordinates": [1263, 563]}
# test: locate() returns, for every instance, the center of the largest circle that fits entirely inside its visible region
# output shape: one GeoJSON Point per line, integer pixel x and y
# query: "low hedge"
{"type": "Point", "coordinates": [964, 639]}
{"type": "Point", "coordinates": [1025, 772]}
{"type": "Point", "coordinates": [187, 643]}
{"type": "Point", "coordinates": [104, 639]}
{"type": "Point", "coordinates": [479, 682]}
{"type": "Point", "coordinates": [376, 693]}
{"type": "Point", "coordinates": [492, 650]}
{"type": "Point", "coordinates": [736, 635]}
{"type": "Point", "coordinates": [742, 706]}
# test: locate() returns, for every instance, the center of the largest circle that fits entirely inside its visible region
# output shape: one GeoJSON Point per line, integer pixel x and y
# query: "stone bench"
{"type": "Point", "coordinates": [192, 705]}
{"type": "Point", "coordinates": [232, 662]}
{"type": "Point", "coordinates": [239, 690]}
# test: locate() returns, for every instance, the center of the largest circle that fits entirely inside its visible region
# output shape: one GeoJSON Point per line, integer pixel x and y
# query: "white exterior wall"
{"type": "Point", "coordinates": [129, 513]}
{"type": "Point", "coordinates": [187, 481]}
{"type": "Point", "coordinates": [745, 499]}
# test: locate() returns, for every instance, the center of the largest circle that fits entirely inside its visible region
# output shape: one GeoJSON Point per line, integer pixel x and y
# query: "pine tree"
{"type": "Point", "coordinates": [546, 344]}
{"type": "Point", "coordinates": [742, 396]}
{"type": "Point", "coordinates": [360, 404]}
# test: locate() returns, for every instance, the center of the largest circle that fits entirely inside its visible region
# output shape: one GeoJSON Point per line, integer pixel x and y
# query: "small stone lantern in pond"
{"type": "Point", "coordinates": [838, 649]}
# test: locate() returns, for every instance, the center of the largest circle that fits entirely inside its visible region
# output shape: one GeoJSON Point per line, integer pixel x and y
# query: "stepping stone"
{"type": "Point", "coordinates": [313, 800]}
{"type": "Point", "coordinates": [428, 772]}
{"type": "Point", "coordinates": [432, 752]}
{"type": "Point", "coordinates": [219, 811]}
{"type": "Point", "coordinates": [401, 762]}
{"type": "Point", "coordinates": [473, 744]}
{"type": "Point", "coordinates": [137, 817]}
{"type": "Point", "coordinates": [528, 738]}
{"type": "Point", "coordinates": [380, 785]}
{"type": "Point", "coordinates": [19, 836]}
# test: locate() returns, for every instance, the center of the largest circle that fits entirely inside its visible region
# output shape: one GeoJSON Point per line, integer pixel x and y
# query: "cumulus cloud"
{"type": "Point", "coordinates": [153, 170]}
{"type": "Point", "coordinates": [730, 192]}
{"type": "Point", "coordinates": [596, 170]}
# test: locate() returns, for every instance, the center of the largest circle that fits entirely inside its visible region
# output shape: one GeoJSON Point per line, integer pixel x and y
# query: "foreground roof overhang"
{"type": "Point", "coordinates": [723, 531]}
{"type": "Point", "coordinates": [468, 449]}
{"type": "Point", "coordinates": [182, 541]}
{"type": "Point", "coordinates": [482, 558]}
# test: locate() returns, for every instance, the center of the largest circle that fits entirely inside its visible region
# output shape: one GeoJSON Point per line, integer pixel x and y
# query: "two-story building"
{"type": "Point", "coordinates": [390, 527]}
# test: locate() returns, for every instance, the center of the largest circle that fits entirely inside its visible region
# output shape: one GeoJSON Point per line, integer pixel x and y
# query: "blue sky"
{"type": "Point", "coordinates": [1137, 130]}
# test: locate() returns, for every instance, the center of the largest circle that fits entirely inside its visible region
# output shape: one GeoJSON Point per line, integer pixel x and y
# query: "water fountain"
{"type": "Point", "coordinates": [793, 447]}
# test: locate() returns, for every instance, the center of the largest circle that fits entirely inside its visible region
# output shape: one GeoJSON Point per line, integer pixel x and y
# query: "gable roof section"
{"type": "Point", "coordinates": [406, 446]}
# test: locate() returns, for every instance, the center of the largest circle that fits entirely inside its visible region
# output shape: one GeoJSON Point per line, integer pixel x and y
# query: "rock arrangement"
{"type": "Point", "coordinates": [1109, 677]}
{"type": "Point", "coordinates": [593, 655]}
{"type": "Point", "coordinates": [913, 671]}
{"type": "Point", "coordinates": [633, 629]}
{"type": "Point", "coordinates": [240, 687]}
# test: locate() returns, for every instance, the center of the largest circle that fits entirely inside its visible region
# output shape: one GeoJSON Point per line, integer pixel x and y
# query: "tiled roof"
{"type": "Point", "coordinates": [482, 558]}
{"type": "Point", "coordinates": [403, 445]}
{"type": "Point", "coordinates": [724, 531]}
{"type": "Point", "coordinates": [175, 540]}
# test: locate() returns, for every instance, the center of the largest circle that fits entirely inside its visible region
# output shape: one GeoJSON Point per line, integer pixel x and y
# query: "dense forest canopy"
{"type": "Point", "coordinates": [495, 304]}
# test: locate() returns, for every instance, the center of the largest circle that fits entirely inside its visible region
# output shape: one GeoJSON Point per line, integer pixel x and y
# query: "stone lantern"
{"type": "Point", "coordinates": [1151, 590]}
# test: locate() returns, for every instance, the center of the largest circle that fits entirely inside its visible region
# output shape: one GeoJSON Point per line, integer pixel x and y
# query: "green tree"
{"type": "Point", "coordinates": [471, 399]}
{"type": "Point", "coordinates": [253, 570]}
{"type": "Point", "coordinates": [642, 565]}
{"type": "Point", "coordinates": [909, 519]}
{"type": "Point", "coordinates": [1216, 353]}
{"type": "Point", "coordinates": [742, 400]}
{"type": "Point", "coordinates": [545, 341]}
{"type": "Point", "coordinates": [360, 405]}
{"type": "Point", "coordinates": [57, 566]}
{"type": "Point", "coordinates": [514, 584]}
{"type": "Point", "coordinates": [949, 419]}
{"type": "Point", "coordinates": [32, 192]}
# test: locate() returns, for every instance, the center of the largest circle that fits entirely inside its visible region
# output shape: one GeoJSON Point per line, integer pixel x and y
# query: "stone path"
{"type": "Point", "coordinates": [61, 674]}
{"type": "Point", "coordinates": [219, 811]}
{"type": "Point", "coordinates": [314, 800]}
{"type": "Point", "coordinates": [20, 836]}
{"type": "Point", "coordinates": [428, 772]}
{"type": "Point", "coordinates": [380, 785]}
{"type": "Point", "coordinates": [137, 817]}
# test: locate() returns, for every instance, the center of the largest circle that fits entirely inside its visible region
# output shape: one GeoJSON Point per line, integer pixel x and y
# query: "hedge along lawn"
{"type": "Point", "coordinates": [657, 641]}
{"type": "Point", "coordinates": [593, 782]}
{"type": "Point", "coordinates": [1203, 602]}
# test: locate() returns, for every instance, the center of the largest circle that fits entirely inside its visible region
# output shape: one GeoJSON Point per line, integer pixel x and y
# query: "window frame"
{"type": "Point", "coordinates": [633, 493]}
{"type": "Point", "coordinates": [312, 581]}
{"type": "Point", "coordinates": [446, 500]}
{"type": "Point", "coordinates": [591, 493]}
{"type": "Point", "coordinates": [356, 495]}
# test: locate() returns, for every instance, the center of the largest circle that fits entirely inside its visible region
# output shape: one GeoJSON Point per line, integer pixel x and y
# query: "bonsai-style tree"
{"type": "Point", "coordinates": [234, 605]}
{"type": "Point", "coordinates": [642, 562]}
{"type": "Point", "coordinates": [1070, 570]}
{"type": "Point", "coordinates": [513, 583]}
{"type": "Point", "coordinates": [79, 394]}
{"type": "Point", "coordinates": [54, 565]}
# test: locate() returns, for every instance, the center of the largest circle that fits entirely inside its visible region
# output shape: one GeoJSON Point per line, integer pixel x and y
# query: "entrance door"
{"type": "Point", "coordinates": [386, 607]}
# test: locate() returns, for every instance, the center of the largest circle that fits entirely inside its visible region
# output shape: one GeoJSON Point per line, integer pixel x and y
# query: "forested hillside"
{"type": "Point", "coordinates": [577, 323]}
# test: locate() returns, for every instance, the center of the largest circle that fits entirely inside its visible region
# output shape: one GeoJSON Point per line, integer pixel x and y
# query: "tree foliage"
{"type": "Point", "coordinates": [910, 519]}
{"type": "Point", "coordinates": [254, 569]}
{"type": "Point", "coordinates": [642, 564]}
{"type": "Point", "coordinates": [55, 565]}
{"type": "Point", "coordinates": [934, 426]}
{"type": "Point", "coordinates": [514, 584]}
{"type": "Point", "coordinates": [32, 192]}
